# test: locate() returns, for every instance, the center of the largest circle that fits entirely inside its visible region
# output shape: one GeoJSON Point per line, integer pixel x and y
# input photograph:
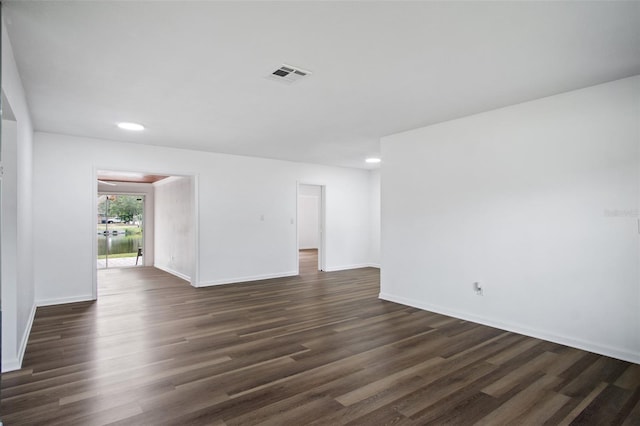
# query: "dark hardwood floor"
{"type": "Point", "coordinates": [317, 349]}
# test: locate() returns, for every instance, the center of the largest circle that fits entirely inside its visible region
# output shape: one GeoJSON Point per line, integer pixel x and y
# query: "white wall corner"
{"type": "Point", "coordinates": [15, 363]}
{"type": "Point", "coordinates": [536, 200]}
{"type": "Point", "coordinates": [174, 273]}
{"type": "Point", "coordinates": [25, 336]}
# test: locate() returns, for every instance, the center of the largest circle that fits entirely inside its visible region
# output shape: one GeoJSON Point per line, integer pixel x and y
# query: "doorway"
{"type": "Point", "coordinates": [120, 230]}
{"type": "Point", "coordinates": [311, 251]}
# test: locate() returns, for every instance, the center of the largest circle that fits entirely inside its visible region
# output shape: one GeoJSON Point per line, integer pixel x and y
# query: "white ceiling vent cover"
{"type": "Point", "coordinates": [288, 74]}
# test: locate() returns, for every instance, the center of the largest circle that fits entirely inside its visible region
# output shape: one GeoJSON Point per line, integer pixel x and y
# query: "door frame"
{"type": "Point", "coordinates": [322, 226]}
{"type": "Point", "coordinates": [195, 275]}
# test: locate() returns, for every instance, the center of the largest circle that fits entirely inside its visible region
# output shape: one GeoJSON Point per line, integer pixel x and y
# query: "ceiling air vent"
{"type": "Point", "coordinates": [288, 74]}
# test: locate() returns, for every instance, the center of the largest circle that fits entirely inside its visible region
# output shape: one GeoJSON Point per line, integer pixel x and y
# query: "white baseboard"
{"type": "Point", "coordinates": [246, 279]}
{"type": "Point", "coordinates": [10, 364]}
{"type": "Point", "coordinates": [25, 336]}
{"type": "Point", "coordinates": [172, 272]}
{"type": "Point", "coordinates": [63, 300]}
{"type": "Point", "coordinates": [16, 363]}
{"type": "Point", "coordinates": [347, 267]}
{"type": "Point", "coordinates": [618, 353]}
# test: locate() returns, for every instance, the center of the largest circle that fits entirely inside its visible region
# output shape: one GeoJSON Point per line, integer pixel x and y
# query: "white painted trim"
{"type": "Point", "coordinates": [346, 267]}
{"type": "Point", "coordinates": [322, 223]}
{"type": "Point", "coordinates": [63, 300]}
{"type": "Point", "coordinates": [176, 273]}
{"type": "Point", "coordinates": [518, 328]}
{"type": "Point", "coordinates": [247, 279]}
{"type": "Point", "coordinates": [25, 336]}
{"type": "Point", "coordinates": [10, 365]}
{"type": "Point", "coordinates": [93, 233]}
{"type": "Point", "coordinates": [195, 182]}
{"type": "Point", "coordinates": [296, 229]}
{"type": "Point", "coordinates": [16, 363]}
{"type": "Point", "coordinates": [322, 249]}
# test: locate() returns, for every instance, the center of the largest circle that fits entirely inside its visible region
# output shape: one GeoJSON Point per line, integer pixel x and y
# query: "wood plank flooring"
{"type": "Point", "coordinates": [317, 349]}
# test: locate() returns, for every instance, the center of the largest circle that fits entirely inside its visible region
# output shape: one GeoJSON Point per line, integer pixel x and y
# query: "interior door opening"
{"type": "Point", "coordinates": [311, 250]}
{"type": "Point", "coordinates": [120, 230]}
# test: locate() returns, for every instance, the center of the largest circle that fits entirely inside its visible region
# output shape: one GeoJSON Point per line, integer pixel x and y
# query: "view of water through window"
{"type": "Point", "coordinates": [119, 244]}
{"type": "Point", "coordinates": [120, 229]}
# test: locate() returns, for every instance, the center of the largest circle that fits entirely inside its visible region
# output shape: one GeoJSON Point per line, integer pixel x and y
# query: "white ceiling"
{"type": "Point", "coordinates": [194, 72]}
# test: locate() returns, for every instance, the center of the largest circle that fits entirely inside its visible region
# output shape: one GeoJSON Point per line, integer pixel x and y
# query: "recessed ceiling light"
{"type": "Point", "coordinates": [131, 126]}
{"type": "Point", "coordinates": [373, 160]}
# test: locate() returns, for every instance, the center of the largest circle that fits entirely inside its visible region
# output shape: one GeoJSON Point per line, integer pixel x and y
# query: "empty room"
{"type": "Point", "coordinates": [320, 212]}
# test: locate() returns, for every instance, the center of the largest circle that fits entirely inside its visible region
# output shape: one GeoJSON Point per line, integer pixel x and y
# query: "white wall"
{"type": "Point", "coordinates": [309, 216]}
{"type": "Point", "coordinates": [233, 193]}
{"type": "Point", "coordinates": [9, 248]}
{"type": "Point", "coordinates": [147, 190]}
{"type": "Point", "coordinates": [175, 226]}
{"type": "Point", "coordinates": [18, 307]}
{"type": "Point", "coordinates": [375, 217]}
{"type": "Point", "coordinates": [538, 202]}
